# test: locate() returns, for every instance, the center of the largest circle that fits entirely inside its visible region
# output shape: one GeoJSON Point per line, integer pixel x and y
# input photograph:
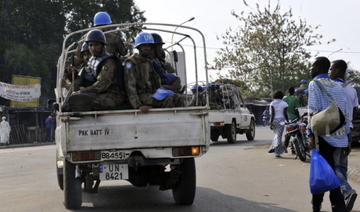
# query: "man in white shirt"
{"type": "Point", "coordinates": [4, 131]}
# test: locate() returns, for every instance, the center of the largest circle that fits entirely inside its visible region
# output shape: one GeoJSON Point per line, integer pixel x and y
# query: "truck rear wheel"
{"type": "Point", "coordinates": [184, 190]}
{"type": "Point", "coordinates": [250, 133]}
{"type": "Point", "coordinates": [231, 132]}
{"type": "Point", "coordinates": [72, 187]}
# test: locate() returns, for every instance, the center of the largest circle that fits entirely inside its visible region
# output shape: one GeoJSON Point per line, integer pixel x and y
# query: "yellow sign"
{"type": "Point", "coordinates": [25, 80]}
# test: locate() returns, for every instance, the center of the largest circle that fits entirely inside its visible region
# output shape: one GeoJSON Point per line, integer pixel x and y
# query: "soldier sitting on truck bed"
{"type": "Point", "coordinates": [102, 87]}
{"type": "Point", "coordinates": [144, 75]}
{"type": "Point", "coordinates": [72, 73]}
{"type": "Point", "coordinates": [115, 44]}
{"type": "Point", "coordinates": [160, 53]}
{"type": "Point", "coordinates": [215, 96]}
{"type": "Point", "coordinates": [200, 92]}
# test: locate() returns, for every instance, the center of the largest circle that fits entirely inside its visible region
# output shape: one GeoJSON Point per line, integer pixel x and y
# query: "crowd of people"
{"type": "Point", "coordinates": [328, 84]}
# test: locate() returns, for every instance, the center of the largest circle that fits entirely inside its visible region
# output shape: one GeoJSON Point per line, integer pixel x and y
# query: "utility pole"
{"type": "Point", "coordinates": [172, 36]}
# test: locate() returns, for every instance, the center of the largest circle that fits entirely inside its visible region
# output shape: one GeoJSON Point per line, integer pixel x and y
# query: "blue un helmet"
{"type": "Point", "coordinates": [96, 35]}
{"type": "Point", "coordinates": [102, 18]}
{"type": "Point", "coordinates": [197, 87]}
{"type": "Point", "coordinates": [84, 47]}
{"type": "Point", "coordinates": [157, 38]}
{"type": "Point", "coordinates": [143, 38]}
{"type": "Point", "coordinates": [303, 82]}
{"type": "Point", "coordinates": [169, 78]}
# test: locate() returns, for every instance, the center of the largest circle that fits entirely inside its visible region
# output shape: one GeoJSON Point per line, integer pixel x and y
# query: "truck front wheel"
{"type": "Point", "coordinates": [250, 133]}
{"type": "Point", "coordinates": [184, 190]}
{"type": "Point", "coordinates": [231, 132]}
{"type": "Point", "coordinates": [72, 187]}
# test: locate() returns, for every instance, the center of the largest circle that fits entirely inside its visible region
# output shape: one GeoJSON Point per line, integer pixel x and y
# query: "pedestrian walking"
{"type": "Point", "coordinates": [4, 131]}
{"type": "Point", "coordinates": [278, 116]}
{"type": "Point", "coordinates": [337, 73]}
{"type": "Point", "coordinates": [292, 111]}
{"type": "Point", "coordinates": [49, 126]}
{"type": "Point", "coordinates": [321, 91]}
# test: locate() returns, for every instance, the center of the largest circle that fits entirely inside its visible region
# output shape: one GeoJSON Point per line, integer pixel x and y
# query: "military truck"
{"type": "Point", "coordinates": [228, 115]}
{"type": "Point", "coordinates": [154, 148]}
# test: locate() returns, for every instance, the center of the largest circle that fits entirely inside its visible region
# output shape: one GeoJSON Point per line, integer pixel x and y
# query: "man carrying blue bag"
{"type": "Point", "coordinates": [322, 175]}
{"type": "Point", "coordinates": [325, 94]}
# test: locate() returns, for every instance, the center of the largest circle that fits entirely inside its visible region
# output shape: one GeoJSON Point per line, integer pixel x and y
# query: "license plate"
{"type": "Point", "coordinates": [114, 155]}
{"type": "Point", "coordinates": [113, 171]}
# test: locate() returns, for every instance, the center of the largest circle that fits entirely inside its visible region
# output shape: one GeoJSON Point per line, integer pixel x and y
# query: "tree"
{"type": "Point", "coordinates": [267, 50]}
{"type": "Point", "coordinates": [32, 31]}
{"type": "Point", "coordinates": [353, 76]}
{"type": "Point", "coordinates": [80, 13]}
{"type": "Point", "coordinates": [31, 34]}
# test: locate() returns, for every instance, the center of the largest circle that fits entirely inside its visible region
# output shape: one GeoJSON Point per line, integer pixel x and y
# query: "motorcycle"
{"type": "Point", "coordinates": [296, 130]}
{"type": "Point", "coordinates": [266, 117]}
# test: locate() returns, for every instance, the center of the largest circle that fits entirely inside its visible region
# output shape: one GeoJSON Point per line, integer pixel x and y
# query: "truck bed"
{"type": "Point", "coordinates": [131, 129]}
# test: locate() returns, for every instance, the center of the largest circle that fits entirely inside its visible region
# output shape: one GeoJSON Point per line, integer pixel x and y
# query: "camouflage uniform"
{"type": "Point", "coordinates": [201, 99]}
{"type": "Point", "coordinates": [178, 100]}
{"type": "Point", "coordinates": [103, 94]}
{"type": "Point", "coordinates": [141, 81]}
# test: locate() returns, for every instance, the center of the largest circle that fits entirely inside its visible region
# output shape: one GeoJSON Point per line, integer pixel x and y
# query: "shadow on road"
{"type": "Point", "coordinates": [128, 198]}
{"type": "Point", "coordinates": [257, 142]}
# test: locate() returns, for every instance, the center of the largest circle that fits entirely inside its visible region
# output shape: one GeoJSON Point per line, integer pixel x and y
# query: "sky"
{"type": "Point", "coordinates": [338, 20]}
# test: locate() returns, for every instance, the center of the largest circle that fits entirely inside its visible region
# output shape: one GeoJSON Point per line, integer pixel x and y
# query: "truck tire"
{"type": "Point", "coordinates": [72, 187]}
{"type": "Point", "coordinates": [59, 173]}
{"type": "Point", "coordinates": [250, 133]}
{"type": "Point", "coordinates": [231, 132]}
{"type": "Point", "coordinates": [60, 179]}
{"type": "Point", "coordinates": [214, 136]}
{"type": "Point", "coordinates": [184, 190]}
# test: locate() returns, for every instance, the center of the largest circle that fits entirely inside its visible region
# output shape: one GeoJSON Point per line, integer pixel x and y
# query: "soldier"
{"type": "Point", "coordinates": [215, 96]}
{"type": "Point", "coordinates": [115, 44]}
{"type": "Point", "coordinates": [73, 73]}
{"type": "Point", "coordinates": [200, 92]}
{"type": "Point", "coordinates": [141, 80]}
{"type": "Point", "coordinates": [160, 53]}
{"type": "Point", "coordinates": [85, 53]}
{"type": "Point", "coordinates": [102, 88]}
